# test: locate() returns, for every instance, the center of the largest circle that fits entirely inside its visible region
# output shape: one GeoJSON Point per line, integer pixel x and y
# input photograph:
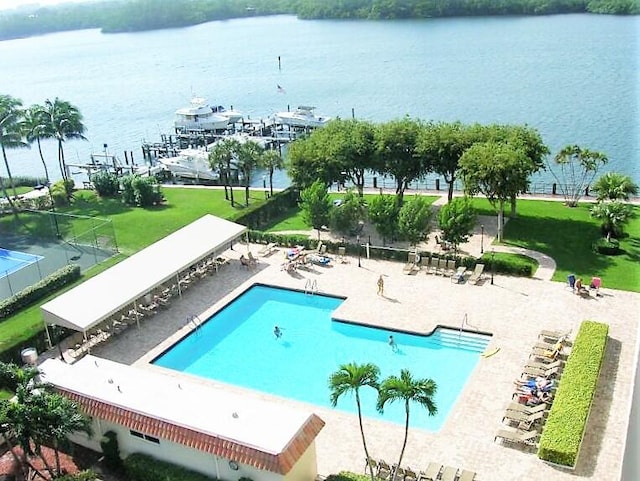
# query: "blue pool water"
{"type": "Point", "coordinates": [12, 261]}
{"type": "Point", "coordinates": [237, 346]}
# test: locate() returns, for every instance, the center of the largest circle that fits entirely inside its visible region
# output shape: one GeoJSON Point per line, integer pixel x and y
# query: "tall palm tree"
{"type": "Point", "coordinates": [249, 155]}
{"type": "Point", "coordinates": [349, 379]}
{"type": "Point", "coordinates": [407, 389]}
{"type": "Point", "coordinates": [65, 122]}
{"type": "Point", "coordinates": [614, 186]}
{"type": "Point", "coordinates": [271, 160]}
{"type": "Point", "coordinates": [37, 128]}
{"type": "Point", "coordinates": [221, 156]}
{"type": "Point", "coordinates": [10, 134]}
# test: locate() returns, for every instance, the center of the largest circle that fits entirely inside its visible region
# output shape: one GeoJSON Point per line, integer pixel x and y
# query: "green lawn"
{"type": "Point", "coordinates": [566, 234]}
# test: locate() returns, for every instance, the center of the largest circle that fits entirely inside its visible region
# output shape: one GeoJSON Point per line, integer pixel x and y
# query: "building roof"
{"type": "Point", "coordinates": [258, 433]}
{"type": "Point", "coordinates": [99, 297]}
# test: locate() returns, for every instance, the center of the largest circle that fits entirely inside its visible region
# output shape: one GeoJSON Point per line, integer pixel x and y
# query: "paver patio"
{"type": "Point", "coordinates": [514, 310]}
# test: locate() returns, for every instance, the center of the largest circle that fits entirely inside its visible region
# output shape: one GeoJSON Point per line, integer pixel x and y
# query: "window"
{"type": "Point", "coordinates": [146, 437]}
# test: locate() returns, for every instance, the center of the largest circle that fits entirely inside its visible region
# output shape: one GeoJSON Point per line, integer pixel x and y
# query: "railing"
{"type": "Point", "coordinates": [311, 286]}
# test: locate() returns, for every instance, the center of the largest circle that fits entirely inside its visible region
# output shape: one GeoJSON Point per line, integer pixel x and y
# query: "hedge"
{"type": "Point", "coordinates": [141, 467]}
{"type": "Point", "coordinates": [26, 297]}
{"type": "Point", "coordinates": [564, 429]}
{"type": "Point", "coordinates": [347, 476]}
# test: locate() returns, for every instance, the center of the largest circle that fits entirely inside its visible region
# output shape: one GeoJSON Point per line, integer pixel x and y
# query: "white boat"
{"type": "Point", "coordinates": [303, 116]}
{"type": "Point", "coordinates": [190, 164]}
{"type": "Point", "coordinates": [199, 115]}
{"type": "Point", "coordinates": [233, 115]}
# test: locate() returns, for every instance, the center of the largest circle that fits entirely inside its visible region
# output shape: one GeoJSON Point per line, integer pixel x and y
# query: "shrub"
{"type": "Point", "coordinates": [140, 191]}
{"type": "Point", "coordinates": [106, 183]}
{"type": "Point", "coordinates": [141, 467]}
{"type": "Point", "coordinates": [564, 429]}
{"type": "Point", "coordinates": [607, 247]}
{"type": "Point", "coordinates": [347, 476]}
{"type": "Point", "coordinates": [86, 475]}
{"type": "Point", "coordinates": [24, 181]}
{"type": "Point", "coordinates": [511, 264]}
{"type": "Point", "coordinates": [40, 289]}
{"type": "Point", "coordinates": [62, 192]}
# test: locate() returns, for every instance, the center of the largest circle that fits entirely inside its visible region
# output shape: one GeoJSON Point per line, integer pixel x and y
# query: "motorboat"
{"type": "Point", "coordinates": [233, 115]}
{"type": "Point", "coordinates": [303, 116]}
{"type": "Point", "coordinates": [190, 164]}
{"type": "Point", "coordinates": [201, 116]}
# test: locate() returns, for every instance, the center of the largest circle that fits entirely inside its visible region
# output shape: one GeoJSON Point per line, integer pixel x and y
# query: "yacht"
{"type": "Point", "coordinates": [303, 116]}
{"type": "Point", "coordinates": [190, 164]}
{"type": "Point", "coordinates": [201, 116]}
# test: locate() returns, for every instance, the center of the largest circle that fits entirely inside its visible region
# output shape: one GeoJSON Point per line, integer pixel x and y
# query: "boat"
{"type": "Point", "coordinates": [200, 116]}
{"type": "Point", "coordinates": [303, 116]}
{"type": "Point", "coordinates": [233, 115]}
{"type": "Point", "coordinates": [190, 164]}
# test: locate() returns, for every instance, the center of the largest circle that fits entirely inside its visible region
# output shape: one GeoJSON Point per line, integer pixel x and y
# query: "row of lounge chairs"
{"type": "Point", "coordinates": [433, 472]}
{"type": "Point", "coordinates": [534, 394]}
{"type": "Point", "coordinates": [444, 267]}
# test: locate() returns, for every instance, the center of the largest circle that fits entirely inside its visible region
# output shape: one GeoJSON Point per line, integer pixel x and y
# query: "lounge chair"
{"type": "Point", "coordinates": [451, 267]}
{"type": "Point", "coordinates": [267, 249]}
{"type": "Point", "coordinates": [424, 263]}
{"type": "Point", "coordinates": [252, 260]}
{"type": "Point", "coordinates": [449, 473]}
{"type": "Point", "coordinates": [458, 276]}
{"type": "Point", "coordinates": [370, 462]}
{"type": "Point", "coordinates": [538, 372]}
{"type": "Point", "coordinates": [433, 266]}
{"type": "Point", "coordinates": [544, 353]}
{"type": "Point", "coordinates": [410, 475]}
{"type": "Point", "coordinates": [554, 335]}
{"type": "Point", "coordinates": [466, 475]}
{"type": "Point", "coordinates": [477, 274]}
{"type": "Point", "coordinates": [397, 472]}
{"type": "Point", "coordinates": [521, 437]}
{"type": "Point", "coordinates": [411, 265]}
{"type": "Point", "coordinates": [431, 473]}
{"type": "Point", "coordinates": [341, 255]}
{"type": "Point", "coordinates": [526, 419]}
{"type": "Point", "coordinates": [571, 282]}
{"type": "Point", "coordinates": [442, 267]}
{"type": "Point", "coordinates": [523, 408]}
{"type": "Point", "coordinates": [384, 470]}
{"type": "Point", "coordinates": [594, 285]}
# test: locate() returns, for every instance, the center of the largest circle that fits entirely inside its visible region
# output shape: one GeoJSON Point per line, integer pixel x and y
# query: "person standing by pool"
{"type": "Point", "coordinates": [277, 332]}
{"type": "Point", "coordinates": [380, 286]}
{"type": "Point", "coordinates": [392, 343]}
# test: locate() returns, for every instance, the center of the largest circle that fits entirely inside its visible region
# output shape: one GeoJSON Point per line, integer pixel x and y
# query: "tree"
{"type": "Point", "coordinates": [307, 162]}
{"type": "Point", "coordinates": [349, 379]}
{"type": "Point", "coordinates": [271, 160]}
{"type": "Point", "coordinates": [613, 215]}
{"type": "Point", "coordinates": [345, 217]}
{"type": "Point", "coordinates": [383, 213]}
{"type": "Point", "coordinates": [36, 128]}
{"type": "Point", "coordinates": [497, 170]}
{"type": "Point", "coordinates": [443, 144]}
{"type": "Point", "coordinates": [408, 390]}
{"type": "Point", "coordinates": [456, 221]}
{"type": "Point", "coordinates": [614, 186]}
{"type": "Point", "coordinates": [248, 155]}
{"type": "Point", "coordinates": [578, 167]}
{"type": "Point", "coordinates": [315, 205]}
{"type": "Point", "coordinates": [64, 123]}
{"type": "Point", "coordinates": [221, 156]}
{"type": "Point", "coordinates": [397, 153]}
{"type": "Point", "coordinates": [10, 136]}
{"type": "Point", "coordinates": [413, 219]}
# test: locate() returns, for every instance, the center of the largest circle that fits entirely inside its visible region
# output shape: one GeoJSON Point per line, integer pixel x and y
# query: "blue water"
{"type": "Point", "coordinates": [572, 77]}
{"type": "Point", "coordinates": [237, 346]}
{"type": "Point", "coordinates": [12, 261]}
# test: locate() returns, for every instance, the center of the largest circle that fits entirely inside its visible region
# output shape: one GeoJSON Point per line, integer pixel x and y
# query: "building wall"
{"type": "Point", "coordinates": [214, 466]}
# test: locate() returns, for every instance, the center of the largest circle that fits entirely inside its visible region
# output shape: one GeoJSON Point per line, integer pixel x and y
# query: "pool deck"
{"type": "Point", "coordinates": [514, 310]}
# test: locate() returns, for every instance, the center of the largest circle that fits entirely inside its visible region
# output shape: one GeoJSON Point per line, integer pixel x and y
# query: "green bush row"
{"type": "Point", "coordinates": [562, 436]}
{"type": "Point", "coordinates": [511, 264]}
{"type": "Point", "coordinates": [86, 475]}
{"type": "Point", "coordinates": [24, 181]}
{"type": "Point", "coordinates": [347, 476]}
{"type": "Point", "coordinates": [141, 467]}
{"type": "Point", "coordinates": [257, 216]}
{"type": "Point", "coordinates": [60, 278]}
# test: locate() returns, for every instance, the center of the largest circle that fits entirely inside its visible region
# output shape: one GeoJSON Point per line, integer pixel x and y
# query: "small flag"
{"type": "Point", "coordinates": [281, 90]}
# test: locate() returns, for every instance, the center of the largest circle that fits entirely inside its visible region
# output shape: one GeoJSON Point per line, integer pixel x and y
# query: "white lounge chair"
{"type": "Point", "coordinates": [477, 274]}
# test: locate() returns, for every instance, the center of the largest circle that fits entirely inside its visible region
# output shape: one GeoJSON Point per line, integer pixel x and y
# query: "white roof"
{"type": "Point", "coordinates": [263, 425]}
{"type": "Point", "coordinates": [99, 297]}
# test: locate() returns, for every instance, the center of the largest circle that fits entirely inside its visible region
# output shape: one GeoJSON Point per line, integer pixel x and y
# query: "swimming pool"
{"type": "Point", "coordinates": [12, 261]}
{"type": "Point", "coordinates": [238, 346]}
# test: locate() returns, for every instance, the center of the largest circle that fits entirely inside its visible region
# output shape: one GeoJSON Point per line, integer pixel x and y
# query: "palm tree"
{"type": "Point", "coordinates": [614, 186]}
{"type": "Point", "coordinates": [249, 155]}
{"type": "Point", "coordinates": [221, 156]}
{"type": "Point", "coordinates": [350, 378]}
{"type": "Point", "coordinates": [271, 160]}
{"type": "Point", "coordinates": [36, 128]}
{"type": "Point", "coordinates": [65, 123]}
{"type": "Point", "coordinates": [407, 389]}
{"type": "Point", "coordinates": [10, 134]}
{"type": "Point", "coordinates": [612, 215]}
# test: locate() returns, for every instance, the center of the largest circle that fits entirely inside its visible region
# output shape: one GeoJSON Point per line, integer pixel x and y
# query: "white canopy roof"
{"type": "Point", "coordinates": [99, 297]}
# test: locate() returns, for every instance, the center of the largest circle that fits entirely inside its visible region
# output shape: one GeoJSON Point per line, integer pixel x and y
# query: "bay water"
{"type": "Point", "coordinates": [573, 77]}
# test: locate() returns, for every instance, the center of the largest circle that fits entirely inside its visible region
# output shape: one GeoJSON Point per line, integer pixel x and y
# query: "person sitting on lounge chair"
{"type": "Point", "coordinates": [539, 383]}
{"type": "Point", "coordinates": [580, 289]}
{"type": "Point", "coordinates": [244, 261]}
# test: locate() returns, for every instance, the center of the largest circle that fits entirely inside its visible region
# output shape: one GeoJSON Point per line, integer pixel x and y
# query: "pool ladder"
{"type": "Point", "coordinates": [194, 321]}
{"type": "Point", "coordinates": [465, 320]}
{"type": "Point", "coordinates": [311, 286]}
